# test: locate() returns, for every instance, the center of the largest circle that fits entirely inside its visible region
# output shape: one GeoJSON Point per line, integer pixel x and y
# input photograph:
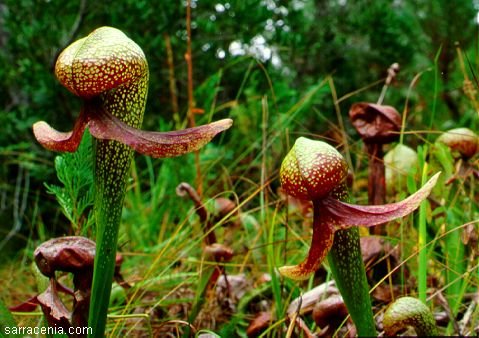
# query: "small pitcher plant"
{"type": "Point", "coordinates": [109, 73]}
{"type": "Point", "coordinates": [316, 171]}
{"type": "Point", "coordinates": [409, 312]}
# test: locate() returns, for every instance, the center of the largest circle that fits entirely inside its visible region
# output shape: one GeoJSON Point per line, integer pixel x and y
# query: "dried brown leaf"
{"type": "Point", "coordinates": [375, 123]}
{"type": "Point", "coordinates": [260, 323]}
{"type": "Point", "coordinates": [55, 312]}
{"type": "Point", "coordinates": [70, 254]}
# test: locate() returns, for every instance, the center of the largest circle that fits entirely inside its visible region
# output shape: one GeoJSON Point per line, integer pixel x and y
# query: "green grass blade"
{"type": "Point", "coordinates": [201, 289]}
{"type": "Point", "coordinates": [422, 237]}
{"type": "Point", "coordinates": [436, 89]}
{"type": "Point", "coordinates": [455, 260]}
{"type": "Point", "coordinates": [275, 281]}
{"type": "Point", "coordinates": [6, 320]}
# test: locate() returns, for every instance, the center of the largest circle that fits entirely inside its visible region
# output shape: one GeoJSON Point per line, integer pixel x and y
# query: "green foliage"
{"type": "Point", "coordinates": [6, 319]}
{"type": "Point", "coordinates": [161, 238]}
{"type": "Point", "coordinates": [422, 228]}
{"type": "Point", "coordinates": [457, 210]}
{"type": "Point", "coordinates": [75, 196]}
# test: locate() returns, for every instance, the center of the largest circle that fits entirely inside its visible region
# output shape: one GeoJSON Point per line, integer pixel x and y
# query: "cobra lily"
{"type": "Point", "coordinates": [408, 312]}
{"type": "Point", "coordinates": [377, 125]}
{"type": "Point", "coordinates": [463, 144]}
{"type": "Point", "coordinates": [462, 141]}
{"type": "Point", "coordinates": [109, 73]}
{"type": "Point", "coordinates": [315, 171]}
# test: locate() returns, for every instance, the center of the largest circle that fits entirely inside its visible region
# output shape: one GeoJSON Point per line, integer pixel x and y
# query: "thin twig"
{"type": "Point", "coordinates": [70, 37]}
{"type": "Point", "coordinates": [189, 63]}
{"type": "Point", "coordinates": [468, 87]}
{"type": "Point", "coordinates": [337, 109]}
{"type": "Point", "coordinates": [172, 78]}
{"type": "Point", "coordinates": [20, 202]}
{"type": "Point", "coordinates": [184, 188]}
{"type": "Point", "coordinates": [191, 99]}
{"type": "Point", "coordinates": [406, 104]}
{"type": "Point", "coordinates": [392, 72]}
